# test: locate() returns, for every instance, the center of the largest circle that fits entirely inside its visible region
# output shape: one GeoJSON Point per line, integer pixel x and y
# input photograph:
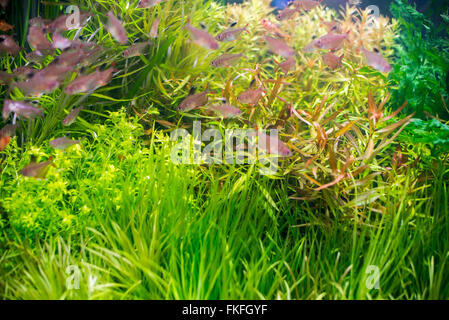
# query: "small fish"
{"type": "Point", "coordinates": [226, 110]}
{"type": "Point", "coordinates": [37, 86]}
{"type": "Point", "coordinates": [273, 28]}
{"type": "Point", "coordinates": [226, 60]}
{"type": "Point", "coordinates": [4, 141]}
{"type": "Point", "coordinates": [55, 71]}
{"type": "Point", "coordinates": [281, 4]}
{"type": "Point", "coordinates": [333, 26]}
{"type": "Point", "coordinates": [332, 60]}
{"type": "Point", "coordinates": [39, 22]}
{"type": "Point", "coordinates": [66, 22]}
{"type": "Point", "coordinates": [63, 143]}
{"type": "Point", "coordinates": [21, 109]}
{"type": "Point", "coordinates": [136, 49]}
{"type": "Point", "coordinates": [278, 46]}
{"type": "Point", "coordinates": [273, 145]}
{"type": "Point", "coordinates": [5, 27]}
{"type": "Point", "coordinates": [116, 29]}
{"type": "Point", "coordinates": [71, 57]}
{"type": "Point", "coordinates": [4, 3]}
{"type": "Point", "coordinates": [331, 41]}
{"type": "Point", "coordinates": [148, 3]}
{"type": "Point", "coordinates": [90, 82]}
{"type": "Point", "coordinates": [6, 133]}
{"type": "Point", "coordinates": [230, 34]}
{"type": "Point", "coordinates": [251, 96]}
{"type": "Point", "coordinates": [25, 72]}
{"type": "Point", "coordinates": [154, 29]}
{"type": "Point", "coordinates": [355, 2]}
{"type": "Point", "coordinates": [8, 45]}
{"type": "Point", "coordinates": [37, 170]}
{"type": "Point", "coordinates": [71, 117]}
{"type": "Point", "coordinates": [306, 5]}
{"type": "Point", "coordinates": [37, 38]}
{"type": "Point", "coordinates": [60, 42]}
{"type": "Point", "coordinates": [288, 65]}
{"type": "Point", "coordinates": [376, 60]}
{"type": "Point", "coordinates": [202, 37]}
{"type": "Point", "coordinates": [286, 14]}
{"type": "Point", "coordinates": [194, 101]}
{"type": "Point", "coordinates": [36, 56]}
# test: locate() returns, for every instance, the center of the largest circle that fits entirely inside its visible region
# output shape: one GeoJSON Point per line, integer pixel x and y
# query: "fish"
{"type": "Point", "coordinates": [116, 29]}
{"type": "Point", "coordinates": [226, 110]}
{"type": "Point", "coordinates": [63, 143]}
{"type": "Point", "coordinates": [45, 80]}
{"type": "Point", "coordinates": [202, 37]}
{"type": "Point", "coordinates": [4, 3]}
{"type": "Point", "coordinates": [194, 101]}
{"type": "Point", "coordinates": [39, 22]}
{"type": "Point", "coordinates": [332, 60]}
{"type": "Point", "coordinates": [331, 41]}
{"type": "Point", "coordinates": [278, 46]}
{"type": "Point", "coordinates": [5, 26]}
{"type": "Point", "coordinates": [226, 60]}
{"type": "Point", "coordinates": [230, 34]}
{"type": "Point", "coordinates": [36, 56]}
{"type": "Point", "coordinates": [251, 96]}
{"type": "Point", "coordinates": [154, 29]}
{"type": "Point", "coordinates": [6, 133]}
{"type": "Point", "coordinates": [55, 71]}
{"type": "Point", "coordinates": [66, 22]}
{"type": "Point", "coordinates": [37, 170]}
{"type": "Point", "coordinates": [8, 45]}
{"type": "Point", "coordinates": [90, 82]}
{"type": "Point", "coordinates": [273, 145]}
{"type": "Point", "coordinates": [135, 49]}
{"type": "Point", "coordinates": [288, 65]}
{"type": "Point", "coordinates": [4, 141]}
{"type": "Point", "coordinates": [37, 38]}
{"type": "Point", "coordinates": [24, 73]}
{"type": "Point", "coordinates": [22, 109]}
{"type": "Point", "coordinates": [355, 2]}
{"type": "Point", "coordinates": [280, 4]}
{"type": "Point", "coordinates": [333, 26]}
{"type": "Point", "coordinates": [306, 5]}
{"type": "Point", "coordinates": [376, 60]}
{"type": "Point", "coordinates": [71, 57]}
{"type": "Point", "coordinates": [286, 14]}
{"type": "Point", "coordinates": [37, 86]}
{"type": "Point", "coordinates": [273, 28]}
{"type": "Point", "coordinates": [148, 3]}
{"type": "Point", "coordinates": [60, 42]}
{"type": "Point", "coordinates": [71, 117]}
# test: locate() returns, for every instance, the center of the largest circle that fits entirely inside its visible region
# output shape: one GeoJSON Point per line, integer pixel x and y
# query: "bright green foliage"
{"type": "Point", "coordinates": [421, 71]}
{"type": "Point", "coordinates": [432, 132]}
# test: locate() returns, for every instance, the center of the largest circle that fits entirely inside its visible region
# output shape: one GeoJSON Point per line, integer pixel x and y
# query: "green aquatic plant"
{"type": "Point", "coordinates": [329, 118]}
{"type": "Point", "coordinates": [421, 72]}
{"type": "Point", "coordinates": [421, 75]}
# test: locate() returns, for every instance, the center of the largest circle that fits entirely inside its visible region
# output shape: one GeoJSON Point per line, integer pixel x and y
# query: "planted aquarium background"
{"type": "Point", "coordinates": [200, 149]}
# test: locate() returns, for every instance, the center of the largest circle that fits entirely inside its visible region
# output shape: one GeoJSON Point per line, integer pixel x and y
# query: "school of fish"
{"type": "Point", "coordinates": [76, 57]}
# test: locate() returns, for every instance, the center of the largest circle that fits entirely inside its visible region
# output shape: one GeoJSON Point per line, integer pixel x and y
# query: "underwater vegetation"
{"type": "Point", "coordinates": [422, 75]}
{"type": "Point", "coordinates": [90, 97]}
